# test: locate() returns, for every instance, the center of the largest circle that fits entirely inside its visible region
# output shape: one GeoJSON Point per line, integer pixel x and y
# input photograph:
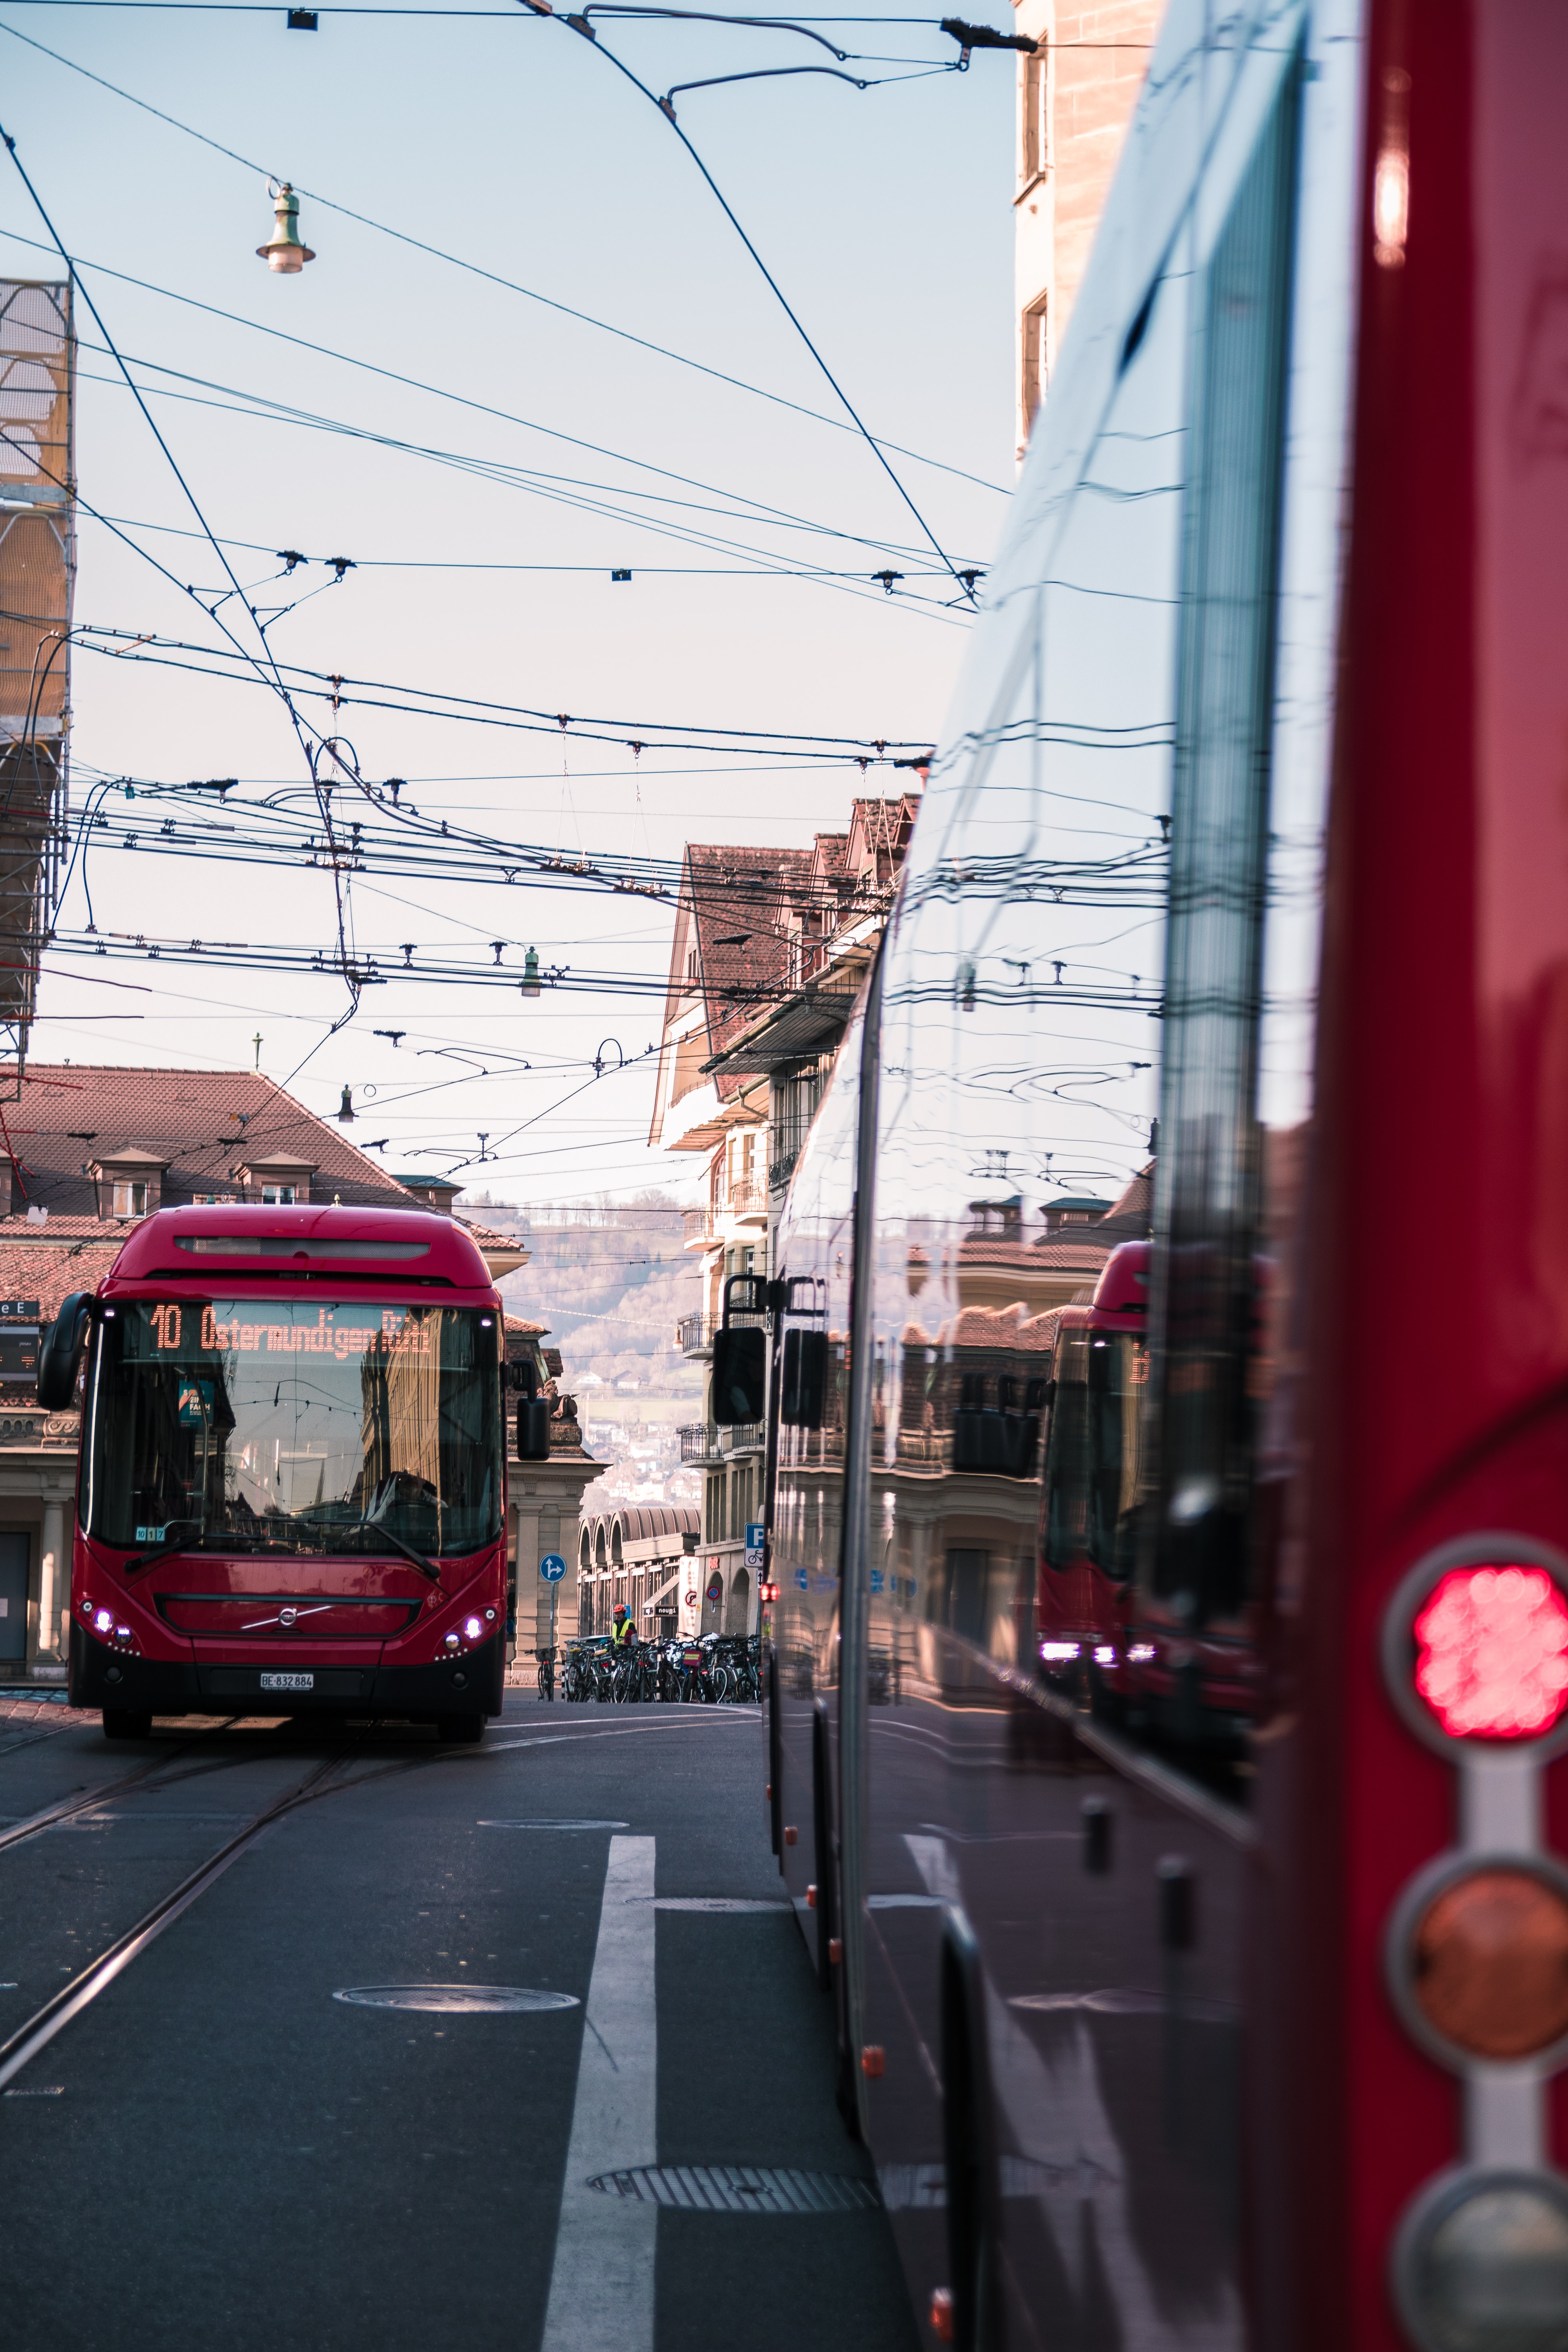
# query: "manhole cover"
{"type": "Point", "coordinates": [489, 1999]}
{"type": "Point", "coordinates": [739, 2189]}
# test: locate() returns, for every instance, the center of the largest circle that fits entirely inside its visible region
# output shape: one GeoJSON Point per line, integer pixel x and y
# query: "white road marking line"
{"type": "Point", "coordinates": [717, 1903]}
{"type": "Point", "coordinates": [555, 1825]}
{"type": "Point", "coordinates": [613, 1731]}
{"type": "Point", "coordinates": [602, 2286]}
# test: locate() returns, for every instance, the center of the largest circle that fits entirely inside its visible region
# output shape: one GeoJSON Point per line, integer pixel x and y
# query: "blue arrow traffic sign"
{"type": "Point", "coordinates": [552, 1568]}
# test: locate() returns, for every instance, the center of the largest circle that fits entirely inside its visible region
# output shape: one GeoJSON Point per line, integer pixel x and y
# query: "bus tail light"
{"type": "Point", "coordinates": [1476, 1660]}
{"type": "Point", "coordinates": [1482, 2260]}
{"type": "Point", "coordinates": [1493, 1652]}
{"type": "Point", "coordinates": [1485, 1960]}
{"type": "Point", "coordinates": [1477, 1958]}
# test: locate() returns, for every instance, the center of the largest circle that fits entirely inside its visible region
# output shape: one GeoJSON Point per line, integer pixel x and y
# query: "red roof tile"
{"type": "Point", "coordinates": [205, 1123]}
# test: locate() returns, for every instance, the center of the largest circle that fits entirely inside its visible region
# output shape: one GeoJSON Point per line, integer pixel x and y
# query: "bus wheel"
{"type": "Point", "coordinates": [462, 1727]}
{"type": "Point", "coordinates": [124, 1723]}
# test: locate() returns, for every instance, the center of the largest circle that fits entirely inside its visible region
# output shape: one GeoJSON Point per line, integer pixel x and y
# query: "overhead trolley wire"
{"type": "Point", "coordinates": [580, 25]}
{"type": "Point", "coordinates": [560, 490]}
{"type": "Point", "coordinates": [261, 666]}
{"type": "Point", "coordinates": [475, 269]}
{"type": "Point", "coordinates": [639, 734]}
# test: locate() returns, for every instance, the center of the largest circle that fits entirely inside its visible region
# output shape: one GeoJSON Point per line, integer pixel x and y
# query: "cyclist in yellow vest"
{"type": "Point", "coordinates": [622, 1632]}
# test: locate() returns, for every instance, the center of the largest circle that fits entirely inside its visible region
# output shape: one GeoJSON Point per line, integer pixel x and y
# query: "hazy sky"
{"type": "Point", "coordinates": [885, 216]}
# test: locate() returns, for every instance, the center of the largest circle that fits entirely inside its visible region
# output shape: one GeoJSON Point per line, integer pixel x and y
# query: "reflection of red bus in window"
{"type": "Point", "coordinates": [291, 1493]}
{"type": "Point", "coordinates": [1088, 1516]}
{"type": "Point", "coordinates": [1194, 1644]}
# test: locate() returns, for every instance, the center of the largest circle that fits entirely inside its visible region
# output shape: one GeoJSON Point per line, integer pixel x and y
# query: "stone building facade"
{"type": "Point", "coordinates": [1075, 96]}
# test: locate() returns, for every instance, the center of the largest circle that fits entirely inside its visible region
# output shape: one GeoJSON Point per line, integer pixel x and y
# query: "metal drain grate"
{"type": "Point", "coordinates": [739, 2189]}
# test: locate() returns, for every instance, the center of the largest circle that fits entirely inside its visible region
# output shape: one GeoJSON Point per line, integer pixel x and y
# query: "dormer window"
{"type": "Point", "coordinates": [276, 1180]}
{"type": "Point", "coordinates": [127, 1182]}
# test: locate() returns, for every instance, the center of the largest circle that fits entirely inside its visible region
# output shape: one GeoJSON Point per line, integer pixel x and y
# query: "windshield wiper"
{"type": "Point", "coordinates": [163, 1551]}
{"type": "Point", "coordinates": [333, 1534]}
{"type": "Point", "coordinates": [377, 1527]}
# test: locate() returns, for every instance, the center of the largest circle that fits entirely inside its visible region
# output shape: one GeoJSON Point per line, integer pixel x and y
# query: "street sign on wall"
{"type": "Point", "coordinates": [756, 1538]}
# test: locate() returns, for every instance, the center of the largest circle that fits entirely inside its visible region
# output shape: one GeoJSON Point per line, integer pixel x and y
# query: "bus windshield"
{"type": "Point", "coordinates": [1092, 1462]}
{"type": "Point", "coordinates": [255, 1422]}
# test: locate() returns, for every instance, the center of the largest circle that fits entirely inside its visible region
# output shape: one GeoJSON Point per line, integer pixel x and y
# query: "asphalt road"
{"type": "Point", "coordinates": [217, 2149]}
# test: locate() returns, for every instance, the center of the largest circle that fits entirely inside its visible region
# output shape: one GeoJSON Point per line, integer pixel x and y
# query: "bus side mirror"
{"type": "Point", "coordinates": [60, 1358]}
{"type": "Point", "coordinates": [533, 1429]}
{"type": "Point", "coordinates": [740, 1374]}
{"type": "Point", "coordinates": [805, 1378]}
{"type": "Point", "coordinates": [533, 1414]}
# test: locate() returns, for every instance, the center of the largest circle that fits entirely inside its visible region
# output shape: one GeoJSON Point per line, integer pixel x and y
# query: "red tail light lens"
{"type": "Point", "coordinates": [1493, 1652]}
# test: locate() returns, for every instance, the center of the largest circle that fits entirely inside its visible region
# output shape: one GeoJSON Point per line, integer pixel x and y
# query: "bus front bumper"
{"type": "Point", "coordinates": [104, 1677]}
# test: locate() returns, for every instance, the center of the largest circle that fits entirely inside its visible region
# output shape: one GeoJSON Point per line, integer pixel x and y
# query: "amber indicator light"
{"type": "Point", "coordinates": [1489, 1960]}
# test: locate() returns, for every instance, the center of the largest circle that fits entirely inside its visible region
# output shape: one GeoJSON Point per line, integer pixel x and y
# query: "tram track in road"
{"type": "Point", "coordinates": [34, 2036]}
{"type": "Point", "coordinates": [69, 1807]}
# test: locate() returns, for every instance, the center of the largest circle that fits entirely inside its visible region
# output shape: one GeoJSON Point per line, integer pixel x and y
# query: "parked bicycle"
{"type": "Point", "coordinates": [546, 1674]}
{"type": "Point", "coordinates": [715, 1670]}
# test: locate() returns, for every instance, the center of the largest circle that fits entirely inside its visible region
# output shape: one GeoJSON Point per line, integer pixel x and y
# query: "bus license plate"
{"type": "Point", "coordinates": [287, 1682]}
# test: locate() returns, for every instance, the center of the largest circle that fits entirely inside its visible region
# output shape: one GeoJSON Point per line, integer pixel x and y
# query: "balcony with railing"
{"type": "Point", "coordinates": [694, 1335]}
{"type": "Point", "coordinates": [746, 1199]}
{"type": "Point", "coordinates": [704, 1441]}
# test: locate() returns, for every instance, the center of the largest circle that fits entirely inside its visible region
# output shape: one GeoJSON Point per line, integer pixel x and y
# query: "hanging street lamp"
{"type": "Point", "coordinates": [283, 250]}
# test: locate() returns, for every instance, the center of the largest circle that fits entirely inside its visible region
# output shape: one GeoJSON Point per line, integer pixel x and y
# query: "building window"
{"type": "Point", "coordinates": [1035, 373]}
{"type": "Point", "coordinates": [277, 1196]}
{"type": "Point", "coordinates": [690, 963]}
{"type": "Point", "coordinates": [131, 1200]}
{"type": "Point", "coordinates": [1034, 143]}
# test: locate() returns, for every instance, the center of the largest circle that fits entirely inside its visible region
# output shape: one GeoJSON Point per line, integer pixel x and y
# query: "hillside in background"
{"type": "Point", "coordinates": [611, 1281]}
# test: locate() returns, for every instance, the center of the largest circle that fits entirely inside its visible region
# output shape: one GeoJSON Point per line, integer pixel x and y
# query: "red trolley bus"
{"type": "Point", "coordinates": [1233, 2014]}
{"type": "Point", "coordinates": [292, 1490]}
{"type": "Point", "coordinates": [1091, 1488]}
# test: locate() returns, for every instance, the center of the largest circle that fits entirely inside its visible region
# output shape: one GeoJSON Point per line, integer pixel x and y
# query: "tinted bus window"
{"type": "Point", "coordinates": [1209, 1277]}
{"type": "Point", "coordinates": [288, 1423]}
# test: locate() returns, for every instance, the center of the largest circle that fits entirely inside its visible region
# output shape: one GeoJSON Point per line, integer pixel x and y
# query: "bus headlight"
{"type": "Point", "coordinates": [453, 1641]}
{"type": "Point", "coordinates": [472, 1629]}
{"type": "Point", "coordinates": [1481, 2261]}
